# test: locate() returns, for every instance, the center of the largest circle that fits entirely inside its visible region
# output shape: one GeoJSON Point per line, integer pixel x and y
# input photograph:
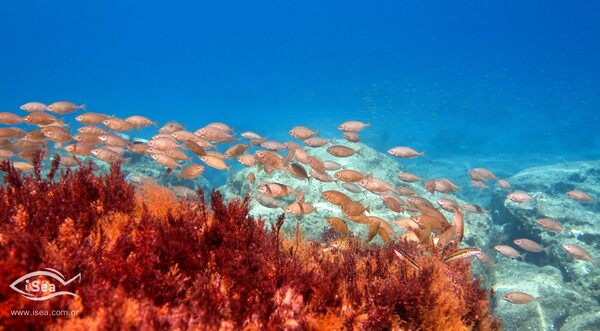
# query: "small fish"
{"type": "Point", "coordinates": [375, 185]}
{"type": "Point", "coordinates": [303, 133]}
{"type": "Point", "coordinates": [475, 209]}
{"type": "Point", "coordinates": [336, 197]}
{"type": "Point", "coordinates": [297, 171]}
{"type": "Point", "coordinates": [249, 135]}
{"type": "Point", "coordinates": [316, 163]}
{"type": "Point", "coordinates": [406, 223]}
{"type": "Point", "coordinates": [404, 152]}
{"type": "Point", "coordinates": [519, 197]}
{"type": "Point", "coordinates": [481, 174]}
{"type": "Point", "coordinates": [251, 178]}
{"type": "Point", "coordinates": [339, 225]}
{"type": "Point", "coordinates": [330, 165]}
{"type": "Point", "coordinates": [91, 129]}
{"type": "Point", "coordinates": [374, 226]}
{"type": "Point", "coordinates": [106, 155]}
{"type": "Point", "coordinates": [519, 298]}
{"type": "Point", "coordinates": [579, 196]}
{"type": "Point", "coordinates": [271, 159]}
{"type": "Point", "coordinates": [214, 134]}
{"type": "Point", "coordinates": [275, 189]}
{"type": "Point", "coordinates": [170, 127]}
{"type": "Point", "coordinates": [404, 191]}
{"type": "Point", "coordinates": [138, 121]}
{"type": "Point", "coordinates": [34, 107]}
{"type": "Point", "coordinates": [91, 118]}
{"type": "Point", "coordinates": [459, 223]}
{"type": "Point", "coordinates": [530, 245]}
{"type": "Point", "coordinates": [321, 176]}
{"type": "Point", "coordinates": [448, 204]}
{"type": "Point", "coordinates": [236, 150]}
{"type": "Point", "coordinates": [292, 145]}
{"type": "Point", "coordinates": [69, 161]}
{"type": "Point", "coordinates": [316, 142]}
{"type": "Point", "coordinates": [353, 208]}
{"type": "Point", "coordinates": [163, 143]}
{"type": "Point", "coordinates": [247, 160]}
{"type": "Point", "coordinates": [139, 147]}
{"type": "Point", "coordinates": [185, 136]}
{"type": "Point", "coordinates": [267, 201]}
{"type": "Point", "coordinates": [64, 107]}
{"type": "Point", "coordinates": [509, 252]}
{"type": "Point", "coordinates": [504, 184]}
{"type": "Point", "coordinates": [353, 126]}
{"type": "Point", "coordinates": [342, 151]}
{"type": "Point", "coordinates": [446, 237]}
{"type": "Point", "coordinates": [485, 259]}
{"type": "Point", "coordinates": [351, 136]}
{"type": "Point", "coordinates": [182, 192]}
{"type": "Point", "coordinates": [579, 253]}
{"type": "Point", "coordinates": [113, 140]}
{"type": "Point", "coordinates": [41, 119]}
{"type": "Point", "coordinates": [405, 257]}
{"type": "Point", "coordinates": [221, 126]}
{"type": "Point", "coordinates": [214, 162]}
{"type": "Point", "coordinates": [82, 149]}
{"type": "Point", "coordinates": [479, 185]}
{"type": "Point", "coordinates": [462, 253]}
{"type": "Point", "coordinates": [191, 171]}
{"type": "Point", "coordinates": [10, 118]}
{"type": "Point", "coordinates": [393, 203]}
{"type": "Point", "coordinates": [117, 124]}
{"type": "Point", "coordinates": [195, 148]}
{"type": "Point", "coordinates": [299, 208]}
{"type": "Point", "coordinates": [348, 175]}
{"type": "Point", "coordinates": [165, 161]}
{"type": "Point", "coordinates": [22, 166]}
{"type": "Point", "coordinates": [445, 185]}
{"type": "Point", "coordinates": [272, 145]}
{"type": "Point", "coordinates": [549, 224]}
{"type": "Point", "coordinates": [351, 187]}
{"type": "Point", "coordinates": [409, 177]}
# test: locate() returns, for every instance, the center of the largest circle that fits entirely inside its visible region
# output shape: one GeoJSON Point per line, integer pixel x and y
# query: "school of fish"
{"type": "Point", "coordinates": [185, 154]}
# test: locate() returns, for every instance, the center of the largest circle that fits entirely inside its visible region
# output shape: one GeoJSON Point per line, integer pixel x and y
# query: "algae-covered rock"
{"type": "Point", "coordinates": [575, 284]}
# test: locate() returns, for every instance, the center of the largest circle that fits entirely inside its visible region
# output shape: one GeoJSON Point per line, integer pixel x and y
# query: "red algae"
{"type": "Point", "coordinates": [191, 264]}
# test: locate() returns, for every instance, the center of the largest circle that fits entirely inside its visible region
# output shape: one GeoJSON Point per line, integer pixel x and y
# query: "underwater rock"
{"type": "Point", "coordinates": [560, 305]}
{"type": "Point", "coordinates": [580, 280]}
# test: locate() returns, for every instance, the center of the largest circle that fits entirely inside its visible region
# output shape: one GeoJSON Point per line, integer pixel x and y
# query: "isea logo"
{"type": "Point", "coordinates": [43, 285]}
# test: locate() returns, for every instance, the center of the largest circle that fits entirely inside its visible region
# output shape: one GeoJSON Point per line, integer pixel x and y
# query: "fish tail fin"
{"type": "Point", "coordinates": [83, 106]}
{"type": "Point", "coordinates": [317, 133]}
{"type": "Point", "coordinates": [368, 209]}
{"type": "Point", "coordinates": [61, 122]}
{"type": "Point", "coordinates": [422, 154]}
{"type": "Point", "coordinates": [359, 152]}
{"type": "Point", "coordinates": [523, 256]}
{"type": "Point", "coordinates": [546, 250]}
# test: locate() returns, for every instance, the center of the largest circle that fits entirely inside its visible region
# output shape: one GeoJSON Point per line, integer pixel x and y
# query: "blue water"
{"type": "Point", "coordinates": [498, 84]}
{"type": "Point", "coordinates": [468, 78]}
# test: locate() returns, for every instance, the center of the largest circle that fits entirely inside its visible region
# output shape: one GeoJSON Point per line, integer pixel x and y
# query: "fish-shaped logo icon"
{"type": "Point", "coordinates": [46, 289]}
